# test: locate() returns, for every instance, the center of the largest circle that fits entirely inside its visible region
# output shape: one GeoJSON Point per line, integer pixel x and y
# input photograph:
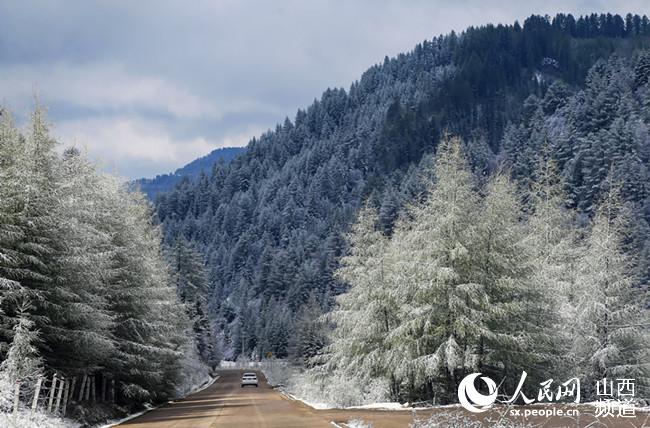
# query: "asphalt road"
{"type": "Point", "coordinates": [227, 404]}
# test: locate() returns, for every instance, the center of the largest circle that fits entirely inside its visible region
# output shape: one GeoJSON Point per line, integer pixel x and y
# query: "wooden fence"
{"type": "Point", "coordinates": [56, 394]}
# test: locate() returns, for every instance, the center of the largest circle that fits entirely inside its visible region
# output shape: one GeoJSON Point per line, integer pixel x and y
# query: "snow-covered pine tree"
{"type": "Point", "coordinates": [188, 271]}
{"type": "Point", "coordinates": [61, 258]}
{"type": "Point", "coordinates": [189, 276]}
{"type": "Point", "coordinates": [150, 326]}
{"type": "Point", "coordinates": [553, 242]}
{"type": "Point", "coordinates": [518, 312]}
{"type": "Point", "coordinates": [28, 231]}
{"type": "Point", "coordinates": [12, 165]}
{"type": "Point", "coordinates": [365, 315]}
{"type": "Point", "coordinates": [79, 325]}
{"type": "Point", "coordinates": [611, 328]}
{"type": "Point", "coordinates": [273, 330]}
{"type": "Point", "coordinates": [22, 363]}
{"type": "Point", "coordinates": [442, 310]}
{"type": "Point", "coordinates": [85, 252]}
{"type": "Point", "coordinates": [309, 336]}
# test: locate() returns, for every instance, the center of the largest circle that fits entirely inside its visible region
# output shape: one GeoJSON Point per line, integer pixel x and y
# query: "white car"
{"type": "Point", "coordinates": [249, 379]}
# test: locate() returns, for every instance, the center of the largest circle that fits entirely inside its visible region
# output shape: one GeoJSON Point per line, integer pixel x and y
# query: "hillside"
{"type": "Point", "coordinates": [272, 223]}
{"type": "Point", "coordinates": [165, 182]}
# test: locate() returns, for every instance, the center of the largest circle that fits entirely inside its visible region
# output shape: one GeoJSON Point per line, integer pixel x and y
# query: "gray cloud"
{"type": "Point", "coordinates": [150, 85]}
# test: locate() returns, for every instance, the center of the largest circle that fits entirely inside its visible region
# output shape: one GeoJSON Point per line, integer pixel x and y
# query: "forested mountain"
{"type": "Point", "coordinates": [593, 132]}
{"type": "Point", "coordinates": [271, 224]}
{"type": "Point", "coordinates": [165, 182]}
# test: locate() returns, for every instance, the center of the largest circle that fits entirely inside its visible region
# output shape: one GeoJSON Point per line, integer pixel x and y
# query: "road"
{"type": "Point", "coordinates": [226, 404]}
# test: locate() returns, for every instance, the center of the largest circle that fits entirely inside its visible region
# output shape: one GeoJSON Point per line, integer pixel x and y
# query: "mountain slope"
{"type": "Point", "coordinates": [165, 182]}
{"type": "Point", "coordinates": [272, 223]}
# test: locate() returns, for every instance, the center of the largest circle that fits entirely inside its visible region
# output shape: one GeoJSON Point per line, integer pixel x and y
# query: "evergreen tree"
{"type": "Point", "coordinates": [553, 240]}
{"type": "Point", "coordinates": [190, 278]}
{"type": "Point", "coordinates": [23, 363]}
{"type": "Point", "coordinates": [366, 314]}
{"type": "Point", "coordinates": [442, 310]}
{"type": "Point", "coordinates": [310, 334]}
{"type": "Point", "coordinates": [29, 229]}
{"type": "Point", "coordinates": [84, 251]}
{"type": "Point", "coordinates": [12, 192]}
{"type": "Point", "coordinates": [188, 270]}
{"type": "Point", "coordinates": [518, 313]}
{"type": "Point", "coordinates": [611, 335]}
{"type": "Point", "coordinates": [150, 326]}
{"type": "Point", "coordinates": [79, 324]}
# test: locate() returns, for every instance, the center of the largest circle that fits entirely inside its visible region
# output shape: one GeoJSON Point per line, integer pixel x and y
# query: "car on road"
{"type": "Point", "coordinates": [249, 379]}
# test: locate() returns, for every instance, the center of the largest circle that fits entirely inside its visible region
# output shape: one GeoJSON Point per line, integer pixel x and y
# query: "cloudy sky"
{"type": "Point", "coordinates": [147, 86]}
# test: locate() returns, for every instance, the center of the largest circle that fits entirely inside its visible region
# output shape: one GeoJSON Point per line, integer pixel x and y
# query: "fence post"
{"type": "Point", "coordinates": [83, 385]}
{"type": "Point", "coordinates": [71, 389]}
{"type": "Point", "coordinates": [90, 379]}
{"type": "Point", "coordinates": [52, 392]}
{"type": "Point", "coordinates": [16, 397]}
{"type": "Point", "coordinates": [103, 387]}
{"type": "Point", "coordinates": [37, 392]}
{"type": "Point", "coordinates": [93, 388]}
{"type": "Point", "coordinates": [66, 393]}
{"type": "Point", "coordinates": [59, 395]}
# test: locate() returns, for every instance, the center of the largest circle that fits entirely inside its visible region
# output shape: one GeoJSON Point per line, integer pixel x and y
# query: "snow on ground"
{"type": "Point", "coordinates": [356, 423]}
{"type": "Point", "coordinates": [315, 405]}
{"type": "Point", "coordinates": [24, 419]}
{"type": "Point", "coordinates": [194, 374]}
{"type": "Point", "coordinates": [382, 406]}
{"type": "Point", "coordinates": [128, 418]}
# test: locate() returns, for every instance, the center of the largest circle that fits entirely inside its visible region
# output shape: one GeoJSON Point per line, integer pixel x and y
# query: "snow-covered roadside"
{"type": "Point", "coordinates": [355, 423]}
{"type": "Point", "coordinates": [149, 408]}
{"type": "Point", "coordinates": [325, 406]}
{"type": "Point", "coordinates": [298, 386]}
{"type": "Point", "coordinates": [25, 419]}
{"type": "Point", "coordinates": [383, 406]}
{"type": "Point", "coordinates": [335, 394]}
{"type": "Point", "coordinates": [315, 405]}
{"type": "Point", "coordinates": [128, 418]}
